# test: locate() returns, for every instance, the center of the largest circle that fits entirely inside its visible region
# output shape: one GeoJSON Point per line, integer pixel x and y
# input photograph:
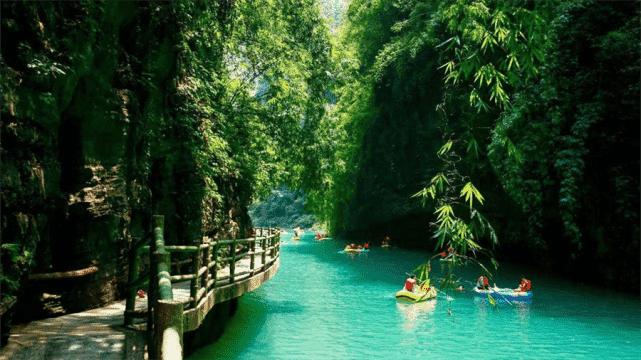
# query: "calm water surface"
{"type": "Point", "coordinates": [325, 304]}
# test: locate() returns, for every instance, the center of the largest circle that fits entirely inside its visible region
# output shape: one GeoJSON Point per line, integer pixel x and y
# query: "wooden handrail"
{"type": "Point", "coordinates": [64, 274]}
{"type": "Point", "coordinates": [181, 249]}
{"type": "Point", "coordinates": [164, 314]}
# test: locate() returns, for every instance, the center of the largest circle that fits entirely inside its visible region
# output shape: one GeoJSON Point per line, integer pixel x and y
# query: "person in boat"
{"type": "Point", "coordinates": [525, 285]}
{"type": "Point", "coordinates": [410, 283]}
{"type": "Point", "coordinates": [482, 283]}
{"type": "Point", "coordinates": [451, 253]}
{"type": "Point", "coordinates": [318, 236]}
{"type": "Point", "coordinates": [352, 246]}
{"type": "Point", "coordinates": [296, 233]}
{"type": "Point", "coordinates": [386, 241]}
{"type": "Point", "coordinates": [366, 246]}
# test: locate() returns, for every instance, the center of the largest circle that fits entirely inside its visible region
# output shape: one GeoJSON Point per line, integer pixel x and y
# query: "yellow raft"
{"type": "Point", "coordinates": [423, 293]}
{"type": "Point", "coordinates": [349, 249]}
{"type": "Point", "coordinates": [296, 238]}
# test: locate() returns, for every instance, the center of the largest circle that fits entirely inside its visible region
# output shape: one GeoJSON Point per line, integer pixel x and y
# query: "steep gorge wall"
{"type": "Point", "coordinates": [572, 206]}
{"type": "Point", "coordinates": [93, 145]}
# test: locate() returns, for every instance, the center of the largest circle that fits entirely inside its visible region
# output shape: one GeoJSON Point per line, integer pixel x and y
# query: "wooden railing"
{"type": "Point", "coordinates": [169, 318]}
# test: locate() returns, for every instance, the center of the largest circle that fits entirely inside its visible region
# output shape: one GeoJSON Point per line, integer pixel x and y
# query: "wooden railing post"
{"type": "Point", "coordinates": [215, 266]}
{"type": "Point", "coordinates": [169, 330]}
{"type": "Point", "coordinates": [193, 293]}
{"type": "Point", "coordinates": [163, 259]}
{"type": "Point", "coordinates": [232, 264]}
{"type": "Point", "coordinates": [134, 271]}
{"type": "Point", "coordinates": [271, 243]}
{"type": "Point", "coordinates": [158, 228]}
{"type": "Point", "coordinates": [252, 248]}
{"type": "Point", "coordinates": [206, 252]}
{"type": "Point", "coordinates": [263, 242]}
{"type": "Point", "coordinates": [157, 245]}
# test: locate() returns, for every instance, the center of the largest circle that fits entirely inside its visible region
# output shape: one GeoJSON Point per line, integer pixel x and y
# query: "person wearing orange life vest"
{"type": "Point", "coordinates": [410, 282]}
{"type": "Point", "coordinates": [525, 285]}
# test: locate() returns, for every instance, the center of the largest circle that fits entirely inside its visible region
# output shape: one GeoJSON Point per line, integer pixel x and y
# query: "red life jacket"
{"type": "Point", "coordinates": [485, 281]}
{"type": "Point", "coordinates": [366, 246]}
{"type": "Point", "coordinates": [409, 285]}
{"type": "Point", "coordinates": [526, 285]}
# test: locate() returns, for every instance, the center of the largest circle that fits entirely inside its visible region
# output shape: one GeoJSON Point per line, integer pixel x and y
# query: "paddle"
{"type": "Point", "coordinates": [492, 301]}
{"type": "Point", "coordinates": [496, 290]}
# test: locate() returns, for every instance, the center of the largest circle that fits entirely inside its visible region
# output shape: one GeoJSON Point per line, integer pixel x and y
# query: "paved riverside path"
{"type": "Point", "coordinates": [97, 333]}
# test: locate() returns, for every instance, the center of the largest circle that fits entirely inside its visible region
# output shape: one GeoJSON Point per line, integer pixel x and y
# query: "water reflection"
{"type": "Point", "coordinates": [413, 312]}
{"type": "Point", "coordinates": [522, 310]}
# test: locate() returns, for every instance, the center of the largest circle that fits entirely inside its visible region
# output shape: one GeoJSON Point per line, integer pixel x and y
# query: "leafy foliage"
{"type": "Point", "coordinates": [527, 101]}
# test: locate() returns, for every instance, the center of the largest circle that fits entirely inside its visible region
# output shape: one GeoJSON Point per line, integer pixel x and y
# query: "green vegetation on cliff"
{"type": "Point", "coordinates": [115, 111]}
{"type": "Point", "coordinates": [534, 103]}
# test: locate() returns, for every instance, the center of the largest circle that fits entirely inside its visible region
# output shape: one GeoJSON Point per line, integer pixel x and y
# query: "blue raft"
{"type": "Point", "coordinates": [499, 294]}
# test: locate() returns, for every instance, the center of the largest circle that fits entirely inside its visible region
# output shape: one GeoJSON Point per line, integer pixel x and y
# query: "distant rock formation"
{"type": "Point", "coordinates": [284, 208]}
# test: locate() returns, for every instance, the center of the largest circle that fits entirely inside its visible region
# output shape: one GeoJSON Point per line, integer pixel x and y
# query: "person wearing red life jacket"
{"type": "Point", "coordinates": [525, 285]}
{"type": "Point", "coordinates": [410, 282]}
{"type": "Point", "coordinates": [483, 283]}
{"type": "Point", "coordinates": [366, 246]}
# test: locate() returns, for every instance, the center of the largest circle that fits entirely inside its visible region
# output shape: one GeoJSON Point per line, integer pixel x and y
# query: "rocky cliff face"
{"type": "Point", "coordinates": [398, 158]}
{"type": "Point", "coordinates": [284, 208]}
{"type": "Point", "coordinates": [93, 145]}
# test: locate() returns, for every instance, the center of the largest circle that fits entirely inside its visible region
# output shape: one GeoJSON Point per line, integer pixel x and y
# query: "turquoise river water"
{"type": "Point", "coordinates": [326, 304]}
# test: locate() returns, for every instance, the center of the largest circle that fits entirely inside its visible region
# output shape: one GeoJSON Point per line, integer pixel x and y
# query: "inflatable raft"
{"type": "Point", "coordinates": [421, 295]}
{"type": "Point", "coordinates": [499, 294]}
{"type": "Point", "coordinates": [349, 249]}
{"type": "Point", "coordinates": [296, 238]}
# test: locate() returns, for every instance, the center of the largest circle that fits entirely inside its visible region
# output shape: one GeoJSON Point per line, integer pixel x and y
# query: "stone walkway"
{"type": "Point", "coordinates": [93, 334]}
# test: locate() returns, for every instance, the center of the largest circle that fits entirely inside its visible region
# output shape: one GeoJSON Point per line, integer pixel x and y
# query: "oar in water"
{"type": "Point", "coordinates": [504, 298]}
{"type": "Point", "coordinates": [492, 301]}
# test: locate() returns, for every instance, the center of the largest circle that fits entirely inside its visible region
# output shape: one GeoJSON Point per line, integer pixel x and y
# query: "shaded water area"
{"type": "Point", "coordinates": [326, 304]}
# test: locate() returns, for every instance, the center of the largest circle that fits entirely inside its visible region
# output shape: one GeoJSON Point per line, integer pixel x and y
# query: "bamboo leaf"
{"type": "Point", "coordinates": [496, 265]}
